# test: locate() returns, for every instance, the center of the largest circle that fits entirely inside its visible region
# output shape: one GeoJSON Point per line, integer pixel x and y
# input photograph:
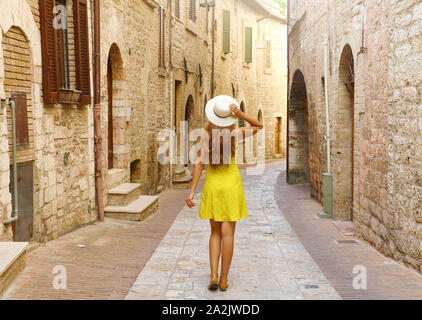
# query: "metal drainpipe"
{"type": "Point", "coordinates": [172, 104]}
{"type": "Point", "coordinates": [327, 109]}
{"type": "Point", "coordinates": [97, 113]}
{"type": "Point", "coordinates": [213, 53]}
{"type": "Point", "coordinates": [327, 177]}
{"type": "Point", "coordinates": [15, 168]}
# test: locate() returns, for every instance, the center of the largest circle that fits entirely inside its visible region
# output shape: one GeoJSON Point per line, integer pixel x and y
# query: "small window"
{"type": "Point", "coordinates": [268, 54]}
{"type": "Point", "coordinates": [161, 37]}
{"type": "Point", "coordinates": [226, 31]}
{"type": "Point", "coordinates": [192, 10]}
{"type": "Point", "coordinates": [248, 44]}
{"type": "Point", "coordinates": [177, 8]}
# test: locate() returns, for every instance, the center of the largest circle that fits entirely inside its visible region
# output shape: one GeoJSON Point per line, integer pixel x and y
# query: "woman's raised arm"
{"type": "Point", "coordinates": [255, 124]}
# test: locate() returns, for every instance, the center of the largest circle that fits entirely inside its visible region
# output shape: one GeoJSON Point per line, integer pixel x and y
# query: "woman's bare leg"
{"type": "Point", "coordinates": [215, 246]}
{"type": "Point", "coordinates": [227, 232]}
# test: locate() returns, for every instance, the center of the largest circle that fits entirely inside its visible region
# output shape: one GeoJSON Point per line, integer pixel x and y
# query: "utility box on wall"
{"type": "Point", "coordinates": [327, 192]}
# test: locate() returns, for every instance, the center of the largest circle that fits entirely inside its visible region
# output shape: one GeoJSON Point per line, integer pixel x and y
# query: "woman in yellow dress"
{"type": "Point", "coordinates": [223, 198]}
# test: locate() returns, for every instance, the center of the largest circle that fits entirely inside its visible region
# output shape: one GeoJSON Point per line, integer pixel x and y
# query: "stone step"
{"type": "Point", "coordinates": [185, 179]}
{"type": "Point", "coordinates": [182, 176]}
{"type": "Point", "coordinates": [124, 194]}
{"type": "Point", "coordinates": [12, 262]}
{"type": "Point", "coordinates": [115, 177]}
{"type": "Point", "coordinates": [138, 210]}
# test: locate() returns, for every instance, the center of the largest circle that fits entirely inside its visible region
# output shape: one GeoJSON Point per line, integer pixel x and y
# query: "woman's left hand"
{"type": "Point", "coordinates": [235, 111]}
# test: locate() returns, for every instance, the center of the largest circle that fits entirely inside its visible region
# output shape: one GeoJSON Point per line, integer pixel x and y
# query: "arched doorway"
{"type": "Point", "coordinates": [343, 171]}
{"type": "Point", "coordinates": [114, 93]}
{"type": "Point", "coordinates": [298, 146]}
{"type": "Point", "coordinates": [18, 86]}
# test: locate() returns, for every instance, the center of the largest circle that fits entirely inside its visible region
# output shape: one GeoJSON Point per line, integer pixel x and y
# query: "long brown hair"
{"type": "Point", "coordinates": [220, 145]}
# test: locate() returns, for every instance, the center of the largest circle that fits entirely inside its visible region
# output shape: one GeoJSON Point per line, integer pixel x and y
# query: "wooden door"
{"type": "Point", "coordinates": [277, 135]}
{"type": "Point", "coordinates": [23, 227]}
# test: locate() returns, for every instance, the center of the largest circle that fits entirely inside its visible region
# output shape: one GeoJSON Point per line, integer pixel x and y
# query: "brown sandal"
{"type": "Point", "coordinates": [213, 285]}
{"type": "Point", "coordinates": [223, 284]}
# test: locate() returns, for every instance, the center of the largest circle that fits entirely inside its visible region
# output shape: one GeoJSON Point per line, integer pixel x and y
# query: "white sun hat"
{"type": "Point", "coordinates": [218, 111]}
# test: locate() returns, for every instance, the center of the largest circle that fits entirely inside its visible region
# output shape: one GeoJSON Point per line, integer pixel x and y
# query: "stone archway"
{"type": "Point", "coordinates": [18, 86]}
{"type": "Point", "coordinates": [116, 93]}
{"type": "Point", "coordinates": [298, 147]}
{"type": "Point", "coordinates": [18, 15]}
{"type": "Point", "coordinates": [343, 135]}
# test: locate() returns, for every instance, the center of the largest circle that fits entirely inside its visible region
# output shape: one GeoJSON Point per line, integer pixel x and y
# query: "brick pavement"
{"type": "Point", "coordinates": [115, 253]}
{"type": "Point", "coordinates": [386, 279]}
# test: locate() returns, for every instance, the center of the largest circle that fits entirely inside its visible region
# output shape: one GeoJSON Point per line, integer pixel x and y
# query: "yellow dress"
{"type": "Point", "coordinates": [223, 197]}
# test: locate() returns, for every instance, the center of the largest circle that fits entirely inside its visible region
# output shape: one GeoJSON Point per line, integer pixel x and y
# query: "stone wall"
{"type": "Point", "coordinates": [63, 195]}
{"type": "Point", "coordinates": [375, 129]}
{"type": "Point", "coordinates": [342, 23]}
{"type": "Point", "coordinates": [400, 226]}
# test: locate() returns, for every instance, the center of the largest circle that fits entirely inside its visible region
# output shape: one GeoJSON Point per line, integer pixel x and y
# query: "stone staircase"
{"type": "Point", "coordinates": [115, 177]}
{"type": "Point", "coordinates": [12, 262]}
{"type": "Point", "coordinates": [126, 202]}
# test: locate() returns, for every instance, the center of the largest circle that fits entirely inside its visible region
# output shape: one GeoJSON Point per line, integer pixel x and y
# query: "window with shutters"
{"type": "Point", "coordinates": [161, 46]}
{"type": "Point", "coordinates": [226, 31]}
{"type": "Point", "coordinates": [248, 44]}
{"type": "Point", "coordinates": [66, 72]}
{"type": "Point", "coordinates": [192, 10]}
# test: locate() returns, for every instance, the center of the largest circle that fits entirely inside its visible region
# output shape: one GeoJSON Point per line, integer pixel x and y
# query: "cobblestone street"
{"type": "Point", "coordinates": [269, 260]}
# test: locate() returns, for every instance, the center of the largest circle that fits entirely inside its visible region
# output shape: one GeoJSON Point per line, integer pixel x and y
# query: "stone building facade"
{"type": "Point", "coordinates": [155, 72]}
{"type": "Point", "coordinates": [259, 86]}
{"type": "Point", "coordinates": [55, 158]}
{"type": "Point", "coordinates": [374, 82]}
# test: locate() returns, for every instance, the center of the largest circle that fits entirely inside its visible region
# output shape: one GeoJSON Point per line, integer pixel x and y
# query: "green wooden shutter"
{"type": "Point", "coordinates": [248, 44]}
{"type": "Point", "coordinates": [226, 31]}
